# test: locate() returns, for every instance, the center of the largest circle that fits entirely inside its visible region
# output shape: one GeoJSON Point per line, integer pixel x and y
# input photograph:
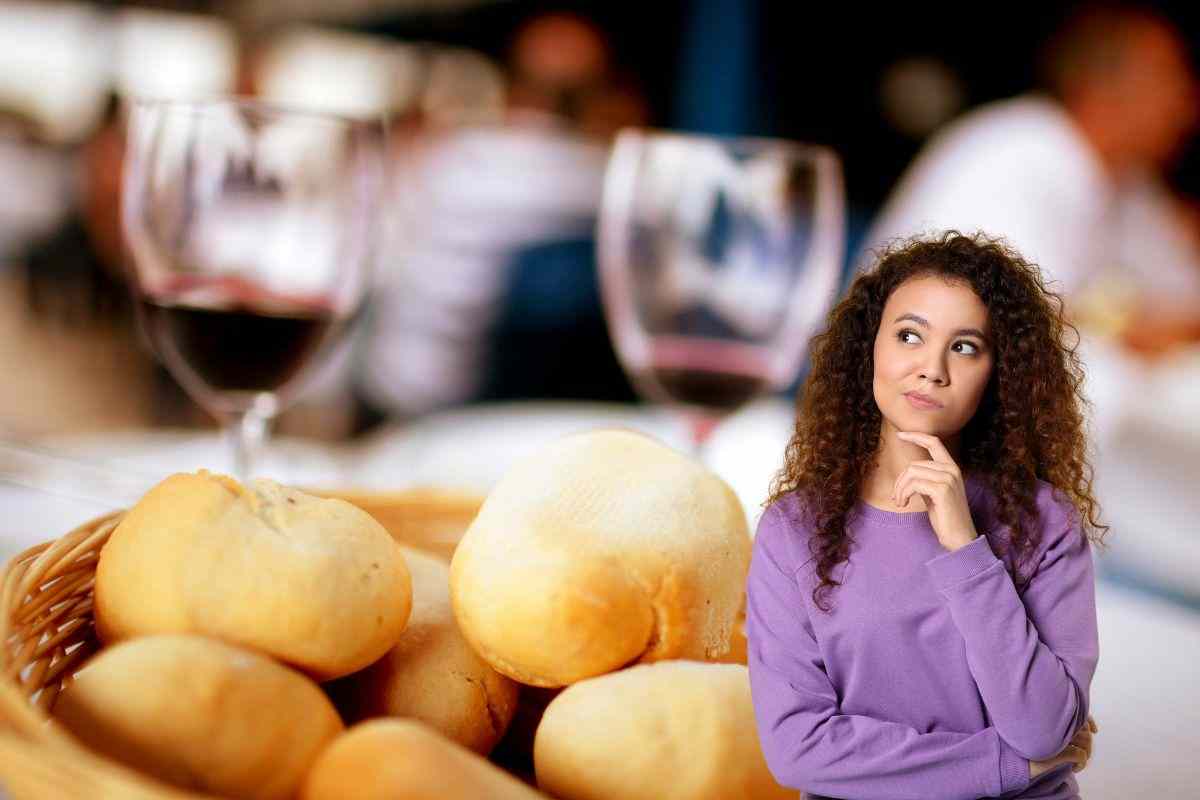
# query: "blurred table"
{"type": "Point", "coordinates": [1145, 696]}
{"type": "Point", "coordinates": [1146, 434]}
{"type": "Point", "coordinates": [1146, 465]}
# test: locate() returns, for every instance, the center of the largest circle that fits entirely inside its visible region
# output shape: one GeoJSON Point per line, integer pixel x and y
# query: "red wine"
{"type": "Point", "coordinates": [710, 374]}
{"type": "Point", "coordinates": [235, 348]}
{"type": "Point", "coordinates": [716, 390]}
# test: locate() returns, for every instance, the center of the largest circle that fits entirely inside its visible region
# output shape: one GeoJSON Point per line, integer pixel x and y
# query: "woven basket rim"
{"type": "Point", "coordinates": [46, 634]}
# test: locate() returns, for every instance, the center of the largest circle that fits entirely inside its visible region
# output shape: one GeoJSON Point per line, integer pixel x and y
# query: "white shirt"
{"type": "Point", "coordinates": [465, 201]}
{"type": "Point", "coordinates": [1019, 169]}
{"type": "Point", "coordinates": [39, 190]}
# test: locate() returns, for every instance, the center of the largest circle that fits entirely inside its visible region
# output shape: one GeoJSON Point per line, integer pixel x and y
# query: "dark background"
{"type": "Point", "coordinates": [800, 70]}
{"type": "Point", "coordinates": [812, 70]}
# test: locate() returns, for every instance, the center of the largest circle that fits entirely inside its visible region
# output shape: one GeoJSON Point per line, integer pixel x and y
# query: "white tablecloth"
{"type": "Point", "coordinates": [1146, 694]}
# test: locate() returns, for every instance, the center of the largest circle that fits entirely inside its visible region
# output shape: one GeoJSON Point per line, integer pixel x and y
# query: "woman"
{"type": "Point", "coordinates": [920, 607]}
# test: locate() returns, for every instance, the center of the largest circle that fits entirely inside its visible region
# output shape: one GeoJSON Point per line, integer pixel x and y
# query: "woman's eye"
{"type": "Point", "coordinates": [970, 350]}
{"type": "Point", "coordinates": [908, 337]}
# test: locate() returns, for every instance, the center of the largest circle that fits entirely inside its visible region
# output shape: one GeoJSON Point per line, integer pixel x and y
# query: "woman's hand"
{"type": "Point", "coordinates": [1076, 753]}
{"type": "Point", "coordinates": [940, 482]}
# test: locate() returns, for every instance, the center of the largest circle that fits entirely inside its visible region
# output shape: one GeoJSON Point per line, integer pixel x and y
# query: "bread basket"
{"type": "Point", "coordinates": [47, 633]}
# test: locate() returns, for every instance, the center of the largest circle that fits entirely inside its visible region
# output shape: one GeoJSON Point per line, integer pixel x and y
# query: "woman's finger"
{"type": "Point", "coordinates": [923, 469]}
{"type": "Point", "coordinates": [917, 472]}
{"type": "Point", "coordinates": [1092, 724]}
{"type": "Point", "coordinates": [934, 490]}
{"type": "Point", "coordinates": [915, 486]}
{"type": "Point", "coordinates": [941, 466]}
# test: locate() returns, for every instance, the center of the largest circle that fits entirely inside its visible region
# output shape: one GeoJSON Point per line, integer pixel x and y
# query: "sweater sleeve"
{"type": "Point", "coordinates": [1032, 657]}
{"type": "Point", "coordinates": [808, 745]}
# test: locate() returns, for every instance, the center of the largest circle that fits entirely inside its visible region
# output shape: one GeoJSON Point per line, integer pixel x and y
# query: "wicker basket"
{"type": "Point", "coordinates": [47, 632]}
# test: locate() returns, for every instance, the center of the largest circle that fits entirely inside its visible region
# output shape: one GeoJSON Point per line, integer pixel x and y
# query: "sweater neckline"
{"type": "Point", "coordinates": [873, 515]}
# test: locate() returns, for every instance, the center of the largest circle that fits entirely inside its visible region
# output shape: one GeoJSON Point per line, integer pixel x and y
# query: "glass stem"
{"type": "Point", "coordinates": [700, 427]}
{"type": "Point", "coordinates": [246, 432]}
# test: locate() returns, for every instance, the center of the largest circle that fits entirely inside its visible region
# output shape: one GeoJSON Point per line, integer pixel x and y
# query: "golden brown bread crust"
{"type": "Point", "coordinates": [679, 729]}
{"type": "Point", "coordinates": [432, 674]}
{"type": "Point", "coordinates": [314, 582]}
{"type": "Point", "coordinates": [603, 549]}
{"type": "Point", "coordinates": [393, 759]}
{"type": "Point", "coordinates": [201, 715]}
{"type": "Point", "coordinates": [737, 647]}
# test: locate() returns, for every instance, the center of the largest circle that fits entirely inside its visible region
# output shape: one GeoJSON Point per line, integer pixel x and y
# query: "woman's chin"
{"type": "Point", "coordinates": [922, 422]}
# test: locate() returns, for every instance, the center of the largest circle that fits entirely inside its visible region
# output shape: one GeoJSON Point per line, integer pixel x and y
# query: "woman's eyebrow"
{"type": "Point", "coordinates": [919, 320]}
{"type": "Point", "coordinates": [925, 323]}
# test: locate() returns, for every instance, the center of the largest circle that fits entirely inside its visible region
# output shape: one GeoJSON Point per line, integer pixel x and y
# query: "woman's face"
{"type": "Point", "coordinates": [932, 356]}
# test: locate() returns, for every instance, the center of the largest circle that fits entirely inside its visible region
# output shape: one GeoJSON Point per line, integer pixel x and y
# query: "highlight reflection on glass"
{"type": "Point", "coordinates": [718, 258]}
{"type": "Point", "coordinates": [250, 228]}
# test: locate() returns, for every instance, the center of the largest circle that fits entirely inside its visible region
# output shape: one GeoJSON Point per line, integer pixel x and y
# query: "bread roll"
{"type": "Point", "coordinates": [393, 759]}
{"type": "Point", "coordinates": [432, 674]}
{"type": "Point", "coordinates": [678, 729]}
{"type": "Point", "coordinates": [314, 582]}
{"type": "Point", "coordinates": [602, 549]}
{"type": "Point", "coordinates": [201, 714]}
{"type": "Point", "coordinates": [737, 647]}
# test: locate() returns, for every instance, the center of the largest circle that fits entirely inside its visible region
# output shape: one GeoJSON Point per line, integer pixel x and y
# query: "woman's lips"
{"type": "Point", "coordinates": [923, 402]}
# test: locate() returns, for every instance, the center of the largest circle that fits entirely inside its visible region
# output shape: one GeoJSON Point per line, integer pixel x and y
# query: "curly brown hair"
{"type": "Point", "coordinates": [1030, 423]}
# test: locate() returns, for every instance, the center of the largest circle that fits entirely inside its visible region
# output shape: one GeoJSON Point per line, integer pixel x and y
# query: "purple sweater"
{"type": "Point", "coordinates": [932, 678]}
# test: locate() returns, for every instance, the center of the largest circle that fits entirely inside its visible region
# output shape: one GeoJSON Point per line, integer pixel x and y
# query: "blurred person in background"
{"type": "Point", "coordinates": [67, 323]}
{"type": "Point", "coordinates": [72, 359]}
{"type": "Point", "coordinates": [488, 291]}
{"type": "Point", "coordinates": [1073, 177]}
{"type": "Point", "coordinates": [561, 66]}
{"type": "Point", "coordinates": [69, 328]}
{"type": "Point", "coordinates": [76, 270]}
{"type": "Point", "coordinates": [555, 61]}
{"type": "Point", "coordinates": [40, 172]}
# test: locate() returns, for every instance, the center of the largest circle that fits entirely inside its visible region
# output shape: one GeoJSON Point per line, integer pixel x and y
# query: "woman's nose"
{"type": "Point", "coordinates": [935, 373]}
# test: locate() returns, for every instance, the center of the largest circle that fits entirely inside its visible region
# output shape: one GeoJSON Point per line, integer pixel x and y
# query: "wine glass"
{"type": "Point", "coordinates": [251, 229]}
{"type": "Point", "coordinates": [718, 258]}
